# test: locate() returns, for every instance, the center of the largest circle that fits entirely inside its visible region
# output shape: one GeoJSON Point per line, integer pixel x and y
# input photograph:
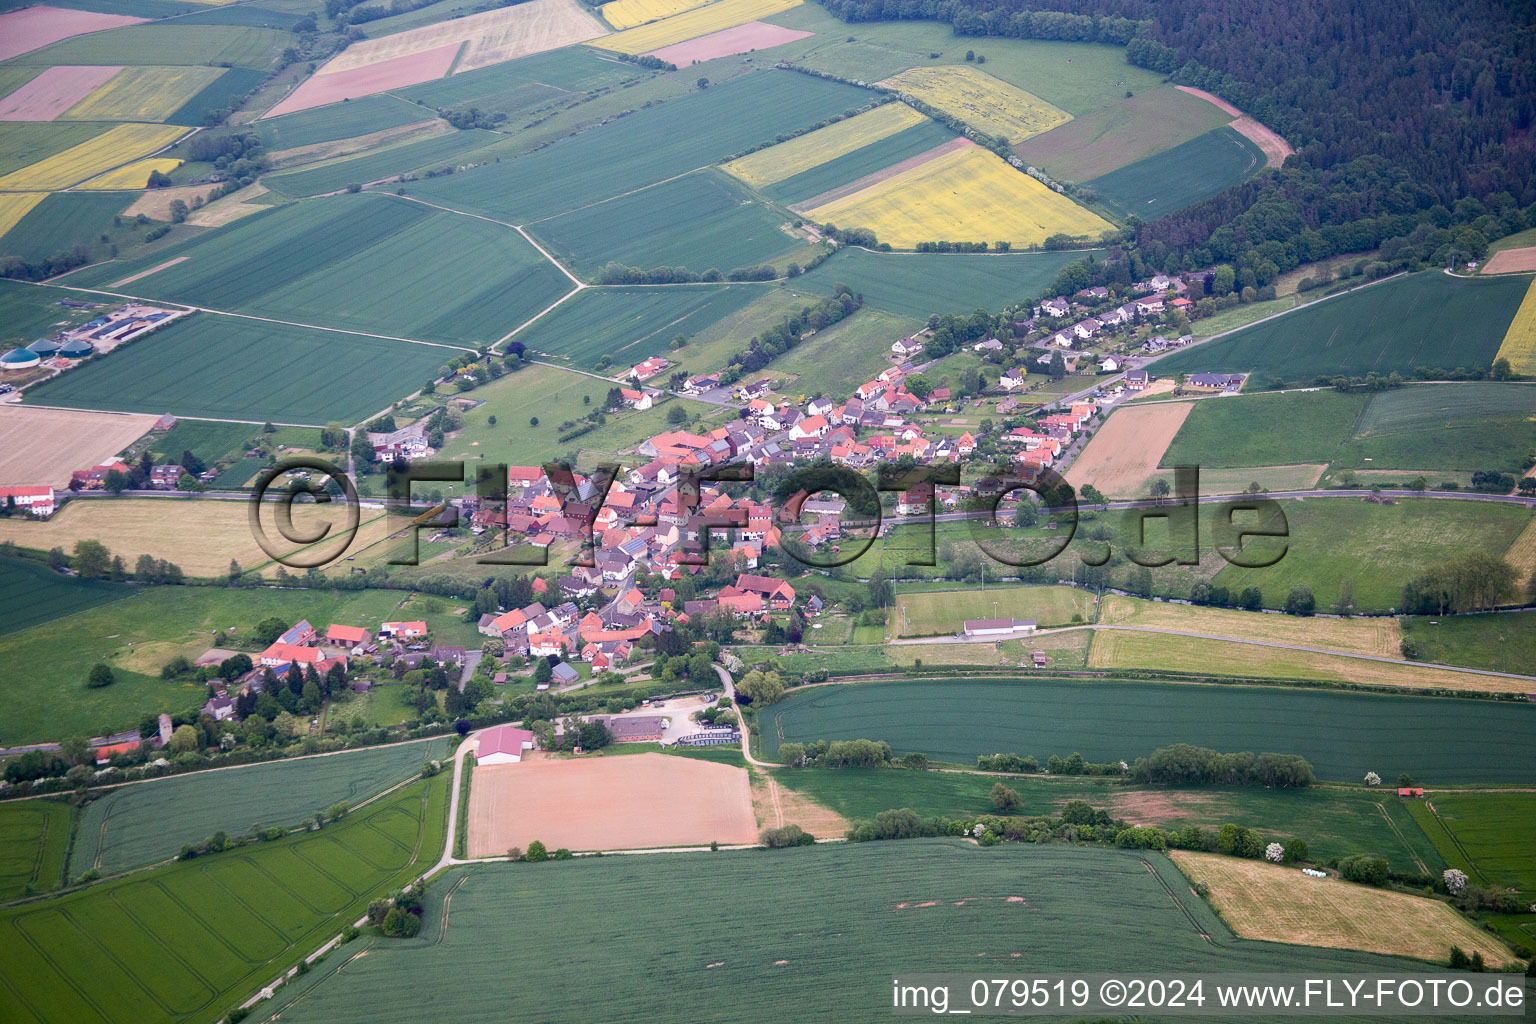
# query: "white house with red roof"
{"type": "Point", "coordinates": [345, 636]}
{"type": "Point", "coordinates": [39, 501]}
{"type": "Point", "coordinates": [503, 745]}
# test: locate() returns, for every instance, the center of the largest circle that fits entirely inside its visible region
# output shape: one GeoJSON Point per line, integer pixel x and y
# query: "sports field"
{"type": "Point", "coordinates": [635, 802]}
{"type": "Point", "coordinates": [131, 176]}
{"type": "Point", "coordinates": [631, 323]}
{"type": "Point", "coordinates": [987, 104]}
{"type": "Point", "coordinates": [188, 941]}
{"type": "Point", "coordinates": [235, 368]}
{"type": "Point", "coordinates": [1133, 129]}
{"type": "Point", "coordinates": [966, 194]}
{"type": "Point", "coordinates": [830, 926]}
{"type": "Point", "coordinates": [1259, 900]}
{"type": "Point", "coordinates": [622, 14]}
{"type": "Point", "coordinates": [1182, 176]}
{"type": "Point", "coordinates": [1487, 835]}
{"type": "Point", "coordinates": [667, 139]}
{"type": "Point", "coordinates": [1519, 344]}
{"type": "Point", "coordinates": [700, 221]}
{"type": "Point", "coordinates": [918, 284]}
{"type": "Point", "coordinates": [935, 612]}
{"type": "Point", "coordinates": [149, 822]}
{"type": "Point", "coordinates": [699, 21]}
{"type": "Point", "coordinates": [787, 159]}
{"type": "Point", "coordinates": [115, 146]}
{"type": "Point", "coordinates": [34, 837]}
{"type": "Point", "coordinates": [1116, 649]}
{"type": "Point", "coordinates": [34, 593]}
{"type": "Point", "coordinates": [1374, 636]}
{"type": "Point", "coordinates": [1439, 740]}
{"type": "Point", "coordinates": [143, 94]}
{"type": "Point", "coordinates": [1427, 319]}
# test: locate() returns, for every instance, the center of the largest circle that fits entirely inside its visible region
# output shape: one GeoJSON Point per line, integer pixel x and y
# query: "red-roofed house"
{"type": "Point", "coordinates": [778, 594]}
{"type": "Point", "coordinates": [503, 745]}
{"type": "Point", "coordinates": [36, 500]}
{"type": "Point", "coordinates": [403, 630]}
{"type": "Point", "coordinates": [282, 654]}
{"type": "Point", "coordinates": [346, 636]}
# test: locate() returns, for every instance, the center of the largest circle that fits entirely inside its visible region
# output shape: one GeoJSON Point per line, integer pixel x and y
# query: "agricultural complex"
{"type": "Point", "coordinates": [682, 509]}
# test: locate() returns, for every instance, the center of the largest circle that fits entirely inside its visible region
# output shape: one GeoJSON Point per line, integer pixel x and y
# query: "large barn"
{"type": "Point", "coordinates": [503, 745]}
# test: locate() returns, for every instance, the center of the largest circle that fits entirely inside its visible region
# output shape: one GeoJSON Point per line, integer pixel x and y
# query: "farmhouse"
{"type": "Point", "coordinates": [1216, 381]}
{"type": "Point", "coordinates": [906, 347]}
{"type": "Point", "coordinates": [649, 368]}
{"type": "Point", "coordinates": [637, 728]}
{"type": "Point", "coordinates": [637, 400]}
{"type": "Point", "coordinates": [503, 745]}
{"type": "Point", "coordinates": [998, 627]}
{"type": "Point", "coordinates": [402, 630]}
{"type": "Point", "coordinates": [38, 501]}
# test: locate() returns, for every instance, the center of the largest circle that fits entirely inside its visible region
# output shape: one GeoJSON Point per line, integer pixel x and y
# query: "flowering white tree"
{"type": "Point", "coordinates": [1372, 779]}
{"type": "Point", "coordinates": [1274, 853]}
{"type": "Point", "coordinates": [1455, 881]}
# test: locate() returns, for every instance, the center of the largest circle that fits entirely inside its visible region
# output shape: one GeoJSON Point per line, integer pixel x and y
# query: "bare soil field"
{"type": "Point", "coordinates": [628, 802]}
{"type": "Point", "coordinates": [754, 35]}
{"type": "Point", "coordinates": [43, 446]}
{"type": "Point", "coordinates": [492, 37]}
{"type": "Point", "coordinates": [777, 806]}
{"type": "Point", "coordinates": [1266, 901]}
{"type": "Point", "coordinates": [332, 85]}
{"type": "Point", "coordinates": [1125, 452]}
{"type": "Point", "coordinates": [155, 203]}
{"type": "Point", "coordinates": [870, 180]}
{"type": "Point", "coordinates": [1511, 261]}
{"type": "Point", "coordinates": [1374, 636]}
{"type": "Point", "coordinates": [1275, 148]}
{"type": "Point", "coordinates": [34, 27]}
{"type": "Point", "coordinates": [54, 91]}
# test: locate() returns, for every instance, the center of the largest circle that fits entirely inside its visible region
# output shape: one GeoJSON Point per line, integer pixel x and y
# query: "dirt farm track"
{"type": "Point", "coordinates": [629, 802]}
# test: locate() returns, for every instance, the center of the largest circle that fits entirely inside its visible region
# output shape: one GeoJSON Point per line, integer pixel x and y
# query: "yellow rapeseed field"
{"type": "Point", "coordinates": [981, 101]}
{"type": "Point", "coordinates": [134, 175]}
{"type": "Point", "coordinates": [17, 205]}
{"type": "Point", "coordinates": [143, 94]}
{"type": "Point", "coordinates": [813, 149]}
{"type": "Point", "coordinates": [966, 195]}
{"type": "Point", "coordinates": [700, 21]}
{"type": "Point", "coordinates": [113, 147]}
{"type": "Point", "coordinates": [622, 14]}
{"type": "Point", "coordinates": [1519, 345]}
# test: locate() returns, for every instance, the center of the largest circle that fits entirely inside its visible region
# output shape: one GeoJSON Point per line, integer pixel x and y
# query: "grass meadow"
{"type": "Point", "coordinates": [338, 121]}
{"type": "Point", "coordinates": [147, 822]}
{"type": "Point", "coordinates": [32, 593]}
{"type": "Point", "coordinates": [138, 635]}
{"type": "Point", "coordinates": [1133, 129]}
{"type": "Point", "coordinates": [841, 357]}
{"type": "Point", "coordinates": [439, 151]}
{"type": "Point", "coordinates": [1449, 428]}
{"type": "Point", "coordinates": [1182, 176]}
{"type": "Point", "coordinates": [1438, 740]}
{"type": "Point", "coordinates": [1426, 319]}
{"type": "Point", "coordinates": [1502, 643]}
{"type": "Point", "coordinates": [1487, 835]}
{"type": "Point", "coordinates": [829, 926]}
{"type": "Point", "coordinates": [937, 612]}
{"type": "Point", "coordinates": [1335, 822]}
{"type": "Point", "coordinates": [226, 367]}
{"type": "Point", "coordinates": [187, 941]}
{"type": "Point", "coordinates": [34, 842]}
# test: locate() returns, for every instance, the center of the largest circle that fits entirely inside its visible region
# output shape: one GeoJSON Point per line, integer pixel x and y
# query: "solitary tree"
{"type": "Point", "coordinates": [1274, 853]}
{"type": "Point", "coordinates": [92, 559]}
{"type": "Point", "coordinates": [100, 675]}
{"type": "Point", "coordinates": [1455, 881]}
{"type": "Point", "coordinates": [1004, 799]}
